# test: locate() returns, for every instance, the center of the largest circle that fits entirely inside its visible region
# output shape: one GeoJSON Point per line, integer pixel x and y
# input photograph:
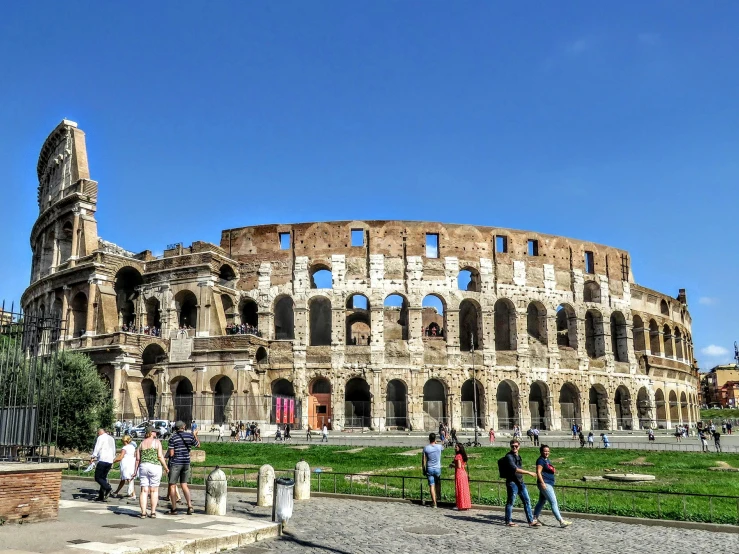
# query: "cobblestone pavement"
{"type": "Point", "coordinates": [327, 525]}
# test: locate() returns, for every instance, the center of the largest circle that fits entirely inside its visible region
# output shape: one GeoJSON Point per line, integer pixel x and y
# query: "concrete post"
{"type": "Point", "coordinates": [216, 493]}
{"type": "Point", "coordinates": [302, 481]}
{"type": "Point", "coordinates": [265, 485]}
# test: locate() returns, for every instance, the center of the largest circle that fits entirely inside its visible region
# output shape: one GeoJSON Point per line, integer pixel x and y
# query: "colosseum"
{"type": "Point", "coordinates": [359, 324]}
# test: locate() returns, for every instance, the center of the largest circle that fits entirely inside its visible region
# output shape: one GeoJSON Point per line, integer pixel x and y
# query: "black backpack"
{"type": "Point", "coordinates": [504, 467]}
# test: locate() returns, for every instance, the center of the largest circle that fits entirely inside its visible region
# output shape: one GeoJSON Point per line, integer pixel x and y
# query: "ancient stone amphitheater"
{"type": "Point", "coordinates": [373, 324]}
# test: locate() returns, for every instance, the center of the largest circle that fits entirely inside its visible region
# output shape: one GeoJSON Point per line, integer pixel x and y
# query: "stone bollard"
{"type": "Point", "coordinates": [302, 481]}
{"type": "Point", "coordinates": [216, 488]}
{"type": "Point", "coordinates": [265, 485]}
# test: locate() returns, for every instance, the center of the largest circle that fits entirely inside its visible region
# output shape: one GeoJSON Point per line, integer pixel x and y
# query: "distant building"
{"type": "Point", "coordinates": [720, 386]}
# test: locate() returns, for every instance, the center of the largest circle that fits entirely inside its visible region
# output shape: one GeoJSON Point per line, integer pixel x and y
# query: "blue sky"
{"type": "Point", "coordinates": [614, 123]}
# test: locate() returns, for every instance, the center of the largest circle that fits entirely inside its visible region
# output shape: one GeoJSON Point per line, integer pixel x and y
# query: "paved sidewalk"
{"type": "Point", "coordinates": [337, 526]}
{"type": "Point", "coordinates": [115, 527]}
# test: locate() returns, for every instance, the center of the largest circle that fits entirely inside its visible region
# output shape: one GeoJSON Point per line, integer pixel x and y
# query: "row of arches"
{"type": "Point", "coordinates": [662, 340]}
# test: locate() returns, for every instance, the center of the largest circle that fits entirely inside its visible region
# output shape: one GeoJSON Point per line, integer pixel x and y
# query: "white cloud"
{"type": "Point", "coordinates": [706, 301]}
{"type": "Point", "coordinates": [578, 46]}
{"type": "Point", "coordinates": [714, 351]}
{"type": "Point", "coordinates": [649, 39]}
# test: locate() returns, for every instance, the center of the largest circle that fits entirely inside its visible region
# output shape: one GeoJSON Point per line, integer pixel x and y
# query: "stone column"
{"type": "Point", "coordinates": [452, 331]}
{"type": "Point", "coordinates": [118, 377]}
{"type": "Point", "coordinates": [90, 323]}
{"type": "Point", "coordinates": [338, 325]}
{"type": "Point", "coordinates": [74, 253]}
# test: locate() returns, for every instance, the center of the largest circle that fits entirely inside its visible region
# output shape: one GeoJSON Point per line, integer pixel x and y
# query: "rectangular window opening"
{"type": "Point", "coordinates": [432, 245]}
{"type": "Point", "coordinates": [357, 237]}
{"type": "Point", "coordinates": [589, 263]}
{"type": "Point", "coordinates": [284, 241]}
{"type": "Point", "coordinates": [501, 244]}
{"type": "Point", "coordinates": [533, 246]}
{"type": "Point", "coordinates": [624, 267]}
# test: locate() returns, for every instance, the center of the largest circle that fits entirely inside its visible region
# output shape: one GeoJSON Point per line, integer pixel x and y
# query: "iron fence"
{"type": "Point", "coordinates": [30, 385]}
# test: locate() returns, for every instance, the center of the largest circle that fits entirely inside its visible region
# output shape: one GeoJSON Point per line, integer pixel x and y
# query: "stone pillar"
{"type": "Point", "coordinates": [302, 481]}
{"type": "Point", "coordinates": [265, 485]}
{"type": "Point", "coordinates": [74, 253]}
{"type": "Point", "coordinates": [452, 331]}
{"type": "Point", "coordinates": [204, 303]}
{"type": "Point", "coordinates": [118, 371]}
{"type": "Point", "coordinates": [91, 304]}
{"type": "Point", "coordinates": [338, 325]}
{"type": "Point", "coordinates": [216, 494]}
{"type": "Point", "coordinates": [66, 320]}
{"type": "Point", "coordinates": [377, 324]}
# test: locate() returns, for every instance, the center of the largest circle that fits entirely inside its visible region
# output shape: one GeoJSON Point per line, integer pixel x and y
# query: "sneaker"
{"type": "Point", "coordinates": [565, 523]}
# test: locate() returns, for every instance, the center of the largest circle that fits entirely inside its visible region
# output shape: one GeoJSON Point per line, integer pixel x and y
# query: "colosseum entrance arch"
{"type": "Point", "coordinates": [569, 406]}
{"type": "Point", "coordinates": [319, 403]}
{"type": "Point", "coordinates": [659, 403]}
{"type": "Point", "coordinates": [507, 403]}
{"type": "Point", "coordinates": [598, 404]}
{"type": "Point", "coordinates": [470, 402]}
{"type": "Point", "coordinates": [357, 404]}
{"type": "Point", "coordinates": [222, 401]}
{"type": "Point", "coordinates": [283, 402]}
{"type": "Point", "coordinates": [434, 404]}
{"type": "Point", "coordinates": [644, 409]}
{"type": "Point", "coordinates": [624, 412]}
{"type": "Point", "coordinates": [183, 400]}
{"type": "Point", "coordinates": [539, 405]}
{"type": "Point", "coordinates": [396, 407]}
{"type": "Point", "coordinates": [674, 409]}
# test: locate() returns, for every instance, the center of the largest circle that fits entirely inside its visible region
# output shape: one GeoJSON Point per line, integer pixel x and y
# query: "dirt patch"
{"type": "Point", "coordinates": [723, 466]}
{"type": "Point", "coordinates": [301, 447]}
{"type": "Point", "coordinates": [410, 452]}
{"type": "Point", "coordinates": [352, 451]}
{"type": "Point", "coordinates": [641, 461]}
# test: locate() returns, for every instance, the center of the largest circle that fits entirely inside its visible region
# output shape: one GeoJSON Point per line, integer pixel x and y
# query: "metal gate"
{"type": "Point", "coordinates": [357, 413]}
{"type": "Point", "coordinates": [433, 413]}
{"type": "Point", "coordinates": [30, 385]}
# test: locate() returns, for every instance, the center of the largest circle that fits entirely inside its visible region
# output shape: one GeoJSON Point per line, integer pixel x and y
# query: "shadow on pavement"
{"type": "Point", "coordinates": [287, 536]}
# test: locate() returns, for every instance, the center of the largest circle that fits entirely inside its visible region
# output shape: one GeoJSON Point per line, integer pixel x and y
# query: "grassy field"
{"type": "Point", "coordinates": [718, 415]}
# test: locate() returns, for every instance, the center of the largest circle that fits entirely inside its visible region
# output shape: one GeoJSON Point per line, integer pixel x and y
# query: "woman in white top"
{"type": "Point", "coordinates": [126, 456]}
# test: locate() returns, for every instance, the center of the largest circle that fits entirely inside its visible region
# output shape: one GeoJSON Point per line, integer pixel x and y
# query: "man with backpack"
{"type": "Point", "coordinates": [510, 469]}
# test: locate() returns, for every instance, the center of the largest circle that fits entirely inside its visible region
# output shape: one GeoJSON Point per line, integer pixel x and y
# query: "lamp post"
{"type": "Point", "coordinates": [474, 386]}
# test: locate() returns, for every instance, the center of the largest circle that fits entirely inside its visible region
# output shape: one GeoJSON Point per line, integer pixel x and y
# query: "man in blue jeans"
{"type": "Point", "coordinates": [431, 466]}
{"type": "Point", "coordinates": [515, 486]}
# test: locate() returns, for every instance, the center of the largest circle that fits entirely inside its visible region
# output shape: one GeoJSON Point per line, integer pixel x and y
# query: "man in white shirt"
{"type": "Point", "coordinates": [104, 453]}
{"type": "Point", "coordinates": [324, 433]}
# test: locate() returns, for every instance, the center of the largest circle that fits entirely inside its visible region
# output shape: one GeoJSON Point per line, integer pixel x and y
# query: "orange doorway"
{"type": "Point", "coordinates": [319, 404]}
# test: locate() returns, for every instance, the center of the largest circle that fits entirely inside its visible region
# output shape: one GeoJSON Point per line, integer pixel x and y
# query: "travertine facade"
{"type": "Point", "coordinates": [370, 323]}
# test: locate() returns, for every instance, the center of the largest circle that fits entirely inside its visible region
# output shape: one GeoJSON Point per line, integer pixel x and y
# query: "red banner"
{"type": "Point", "coordinates": [292, 410]}
{"type": "Point", "coordinates": [278, 412]}
{"type": "Point", "coordinates": [284, 410]}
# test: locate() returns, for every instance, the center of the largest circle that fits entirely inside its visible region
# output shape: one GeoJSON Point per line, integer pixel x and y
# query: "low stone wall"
{"type": "Point", "coordinates": [30, 492]}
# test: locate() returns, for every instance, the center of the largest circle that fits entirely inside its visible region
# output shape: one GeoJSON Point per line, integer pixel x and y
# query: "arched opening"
{"type": "Point", "coordinates": [227, 276]}
{"type": "Point", "coordinates": [536, 322]}
{"type": "Point", "coordinates": [538, 404]}
{"type": "Point", "coordinates": [127, 283]}
{"type": "Point", "coordinates": [660, 405]}
{"type": "Point", "coordinates": [667, 339]}
{"type": "Point", "coordinates": [566, 326]}
{"type": "Point", "coordinates": [468, 279]}
{"type": "Point", "coordinates": [674, 417]}
{"type": "Point", "coordinates": [591, 292]}
{"type": "Point", "coordinates": [598, 403]}
{"type": "Point", "coordinates": [619, 342]}
{"type": "Point", "coordinates": [470, 325]}
{"type": "Point", "coordinates": [569, 405]}
{"type": "Point", "coordinates": [249, 313]}
{"type": "Point", "coordinates": [434, 404]}
{"type": "Point", "coordinates": [679, 349]}
{"type": "Point", "coordinates": [594, 343]}
{"type": "Point", "coordinates": [65, 242]}
{"type": "Point", "coordinates": [153, 316]}
{"type": "Point", "coordinates": [624, 414]}
{"type": "Point", "coordinates": [186, 304]}
{"type": "Point", "coordinates": [152, 354]}
{"type": "Point", "coordinates": [283, 402]}
{"type": "Point", "coordinates": [79, 314]}
{"type": "Point", "coordinates": [319, 403]}
{"type": "Point", "coordinates": [664, 309]}
{"type": "Point", "coordinates": [321, 277]}
{"type": "Point", "coordinates": [396, 405]}
{"type": "Point", "coordinates": [222, 408]}
{"type": "Point", "coordinates": [183, 401]}
{"type": "Point", "coordinates": [473, 398]}
{"type": "Point", "coordinates": [505, 325]}
{"type": "Point", "coordinates": [644, 408]}
{"type": "Point", "coordinates": [684, 408]}
{"type": "Point", "coordinates": [357, 404]}
{"type": "Point", "coordinates": [320, 321]}
{"type": "Point", "coordinates": [358, 321]}
{"type": "Point", "coordinates": [261, 356]}
{"type": "Point", "coordinates": [654, 345]}
{"type": "Point", "coordinates": [229, 311]}
{"type": "Point", "coordinates": [284, 319]}
{"type": "Point", "coordinates": [149, 390]}
{"type": "Point", "coordinates": [507, 405]}
{"type": "Point", "coordinates": [434, 317]}
{"type": "Point", "coordinates": [395, 316]}
{"type": "Point", "coordinates": [639, 344]}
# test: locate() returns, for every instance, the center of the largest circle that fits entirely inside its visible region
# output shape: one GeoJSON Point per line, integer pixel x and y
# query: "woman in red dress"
{"type": "Point", "coordinates": [461, 480]}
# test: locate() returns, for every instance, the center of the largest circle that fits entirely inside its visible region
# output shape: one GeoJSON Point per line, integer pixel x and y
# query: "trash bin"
{"type": "Point", "coordinates": [282, 509]}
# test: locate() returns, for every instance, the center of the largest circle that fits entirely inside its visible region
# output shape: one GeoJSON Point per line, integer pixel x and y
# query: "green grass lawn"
{"type": "Point", "coordinates": [718, 415]}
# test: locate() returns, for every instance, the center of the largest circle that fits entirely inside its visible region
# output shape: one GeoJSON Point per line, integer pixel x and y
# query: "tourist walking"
{"type": "Point", "coordinates": [511, 469]}
{"type": "Point", "coordinates": [545, 482]}
{"type": "Point", "coordinates": [149, 463]}
{"type": "Point", "coordinates": [491, 436]}
{"type": "Point", "coordinates": [287, 433]}
{"type": "Point", "coordinates": [582, 439]}
{"type": "Point", "coordinates": [461, 478]}
{"type": "Point", "coordinates": [604, 438]}
{"type": "Point", "coordinates": [324, 433]}
{"type": "Point", "coordinates": [220, 432]}
{"type": "Point", "coordinates": [180, 444]}
{"type": "Point", "coordinates": [104, 453]}
{"type": "Point", "coordinates": [535, 431]}
{"type": "Point", "coordinates": [431, 466]}
{"type": "Point", "coordinates": [591, 440]}
{"type": "Point", "coordinates": [308, 436]}
{"type": "Point", "coordinates": [127, 459]}
{"type": "Point", "coordinates": [717, 440]}
{"type": "Point", "coordinates": [704, 441]}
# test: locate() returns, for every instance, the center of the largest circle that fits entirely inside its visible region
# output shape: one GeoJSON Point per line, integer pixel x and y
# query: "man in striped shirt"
{"type": "Point", "coordinates": [180, 444]}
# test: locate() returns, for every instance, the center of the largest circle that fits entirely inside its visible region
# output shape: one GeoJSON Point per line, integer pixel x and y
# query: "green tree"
{"type": "Point", "coordinates": [85, 404]}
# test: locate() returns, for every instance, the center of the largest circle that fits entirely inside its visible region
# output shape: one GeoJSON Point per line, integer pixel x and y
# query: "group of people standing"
{"type": "Point", "coordinates": [147, 462]}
